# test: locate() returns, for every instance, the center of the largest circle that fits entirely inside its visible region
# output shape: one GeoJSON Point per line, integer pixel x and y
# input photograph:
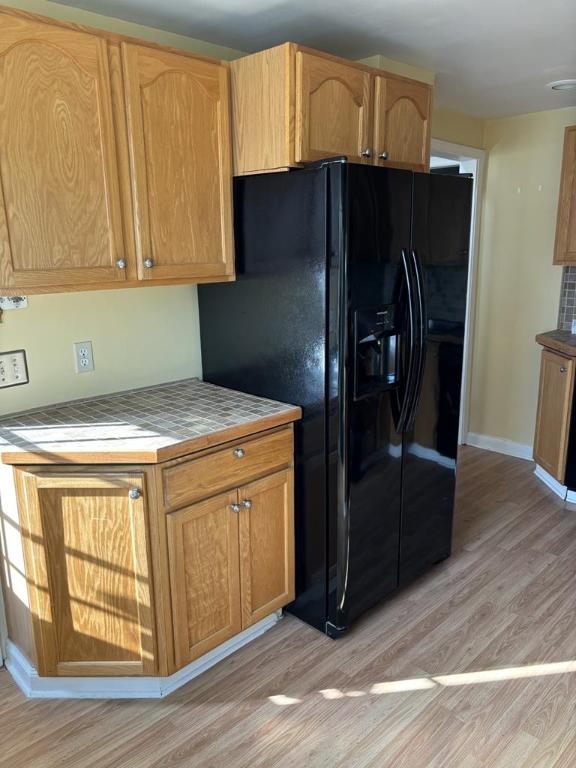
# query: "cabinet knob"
{"type": "Point", "coordinates": [235, 507]}
{"type": "Point", "coordinates": [134, 493]}
{"type": "Point", "coordinates": [121, 263]}
{"type": "Point", "coordinates": [148, 263]}
{"type": "Point", "coordinates": [239, 453]}
{"type": "Point", "coordinates": [366, 152]}
{"type": "Point", "coordinates": [247, 504]}
{"type": "Point", "coordinates": [563, 369]}
{"type": "Point", "coordinates": [383, 156]}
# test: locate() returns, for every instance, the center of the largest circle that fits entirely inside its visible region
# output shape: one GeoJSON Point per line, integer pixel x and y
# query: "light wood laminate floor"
{"type": "Point", "coordinates": [474, 665]}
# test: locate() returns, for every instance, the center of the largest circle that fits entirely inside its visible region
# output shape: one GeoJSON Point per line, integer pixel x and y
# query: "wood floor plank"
{"type": "Point", "coordinates": [387, 695]}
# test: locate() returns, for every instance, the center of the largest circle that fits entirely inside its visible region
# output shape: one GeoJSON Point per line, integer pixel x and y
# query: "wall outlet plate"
{"type": "Point", "coordinates": [83, 356]}
{"type": "Point", "coordinates": [13, 368]}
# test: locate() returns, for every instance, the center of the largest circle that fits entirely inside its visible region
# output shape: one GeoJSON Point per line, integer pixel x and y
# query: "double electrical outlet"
{"type": "Point", "coordinates": [83, 356]}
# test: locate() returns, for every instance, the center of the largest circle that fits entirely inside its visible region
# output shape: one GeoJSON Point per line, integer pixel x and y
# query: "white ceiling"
{"type": "Point", "coordinates": [492, 57]}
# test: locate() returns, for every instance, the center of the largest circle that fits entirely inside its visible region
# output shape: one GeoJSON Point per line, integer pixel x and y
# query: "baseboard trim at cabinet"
{"type": "Point", "coordinates": [35, 687]}
{"type": "Point", "coordinates": [499, 445]}
{"type": "Point", "coordinates": [560, 490]}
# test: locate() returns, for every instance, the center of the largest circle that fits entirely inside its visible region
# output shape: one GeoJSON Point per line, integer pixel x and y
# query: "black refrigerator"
{"type": "Point", "coordinates": [350, 301]}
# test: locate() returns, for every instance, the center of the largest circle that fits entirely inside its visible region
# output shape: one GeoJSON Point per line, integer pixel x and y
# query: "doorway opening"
{"type": "Point", "coordinates": [448, 158]}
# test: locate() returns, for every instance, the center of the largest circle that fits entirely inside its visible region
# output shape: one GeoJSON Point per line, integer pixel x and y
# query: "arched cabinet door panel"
{"type": "Point", "coordinates": [60, 212]}
{"type": "Point", "coordinates": [179, 141]}
{"type": "Point", "coordinates": [402, 123]}
{"type": "Point", "coordinates": [332, 109]}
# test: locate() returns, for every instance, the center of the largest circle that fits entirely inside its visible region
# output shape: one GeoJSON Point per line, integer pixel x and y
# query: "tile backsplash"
{"type": "Point", "coordinates": [567, 299]}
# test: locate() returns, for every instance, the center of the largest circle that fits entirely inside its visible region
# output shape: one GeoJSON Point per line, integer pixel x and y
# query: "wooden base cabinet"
{"type": "Point", "coordinates": [231, 563]}
{"type": "Point", "coordinates": [292, 105]}
{"type": "Point", "coordinates": [139, 570]}
{"type": "Point", "coordinates": [555, 400]}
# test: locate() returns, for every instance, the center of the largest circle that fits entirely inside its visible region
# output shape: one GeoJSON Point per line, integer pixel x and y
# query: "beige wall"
{"type": "Point", "coordinates": [458, 128]}
{"type": "Point", "coordinates": [518, 288]}
{"type": "Point", "coordinates": [399, 68]}
{"type": "Point", "coordinates": [140, 336]}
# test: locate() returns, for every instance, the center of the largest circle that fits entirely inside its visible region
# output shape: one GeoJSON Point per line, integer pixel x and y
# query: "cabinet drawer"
{"type": "Point", "coordinates": [228, 467]}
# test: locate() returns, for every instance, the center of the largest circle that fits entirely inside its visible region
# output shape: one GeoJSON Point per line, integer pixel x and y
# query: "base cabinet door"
{"type": "Point", "coordinates": [554, 413]}
{"type": "Point", "coordinates": [266, 546]}
{"type": "Point", "coordinates": [179, 138]}
{"type": "Point", "coordinates": [204, 575]}
{"type": "Point", "coordinates": [85, 542]}
{"type": "Point", "coordinates": [402, 123]}
{"type": "Point", "coordinates": [332, 109]}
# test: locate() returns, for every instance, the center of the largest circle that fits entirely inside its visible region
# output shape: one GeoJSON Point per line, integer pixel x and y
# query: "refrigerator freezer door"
{"type": "Point", "coordinates": [365, 518]}
{"type": "Point", "coordinates": [440, 242]}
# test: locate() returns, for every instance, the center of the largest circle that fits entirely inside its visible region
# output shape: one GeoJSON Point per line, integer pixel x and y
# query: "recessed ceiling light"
{"type": "Point", "coordinates": [563, 85]}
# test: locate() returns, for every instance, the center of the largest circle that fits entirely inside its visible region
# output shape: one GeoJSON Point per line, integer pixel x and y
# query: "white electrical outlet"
{"type": "Point", "coordinates": [83, 356]}
{"type": "Point", "coordinates": [13, 368]}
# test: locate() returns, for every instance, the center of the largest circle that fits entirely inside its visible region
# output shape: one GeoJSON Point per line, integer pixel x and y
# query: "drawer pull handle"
{"type": "Point", "coordinates": [235, 507]}
{"type": "Point", "coordinates": [239, 453]}
{"type": "Point", "coordinates": [247, 504]}
{"type": "Point", "coordinates": [134, 493]}
{"type": "Point", "coordinates": [563, 369]}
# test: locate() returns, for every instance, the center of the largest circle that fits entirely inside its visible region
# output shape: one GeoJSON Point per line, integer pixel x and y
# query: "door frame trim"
{"type": "Point", "coordinates": [477, 157]}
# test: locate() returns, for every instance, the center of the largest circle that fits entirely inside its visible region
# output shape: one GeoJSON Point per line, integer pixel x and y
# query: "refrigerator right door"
{"type": "Point", "coordinates": [441, 217]}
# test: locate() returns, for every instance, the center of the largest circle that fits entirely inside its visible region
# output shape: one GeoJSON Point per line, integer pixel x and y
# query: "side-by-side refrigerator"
{"type": "Point", "coordinates": [350, 301]}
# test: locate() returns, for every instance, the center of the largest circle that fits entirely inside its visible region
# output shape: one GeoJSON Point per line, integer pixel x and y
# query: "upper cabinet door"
{"type": "Point", "coordinates": [565, 247]}
{"type": "Point", "coordinates": [402, 123]}
{"type": "Point", "coordinates": [60, 214]}
{"type": "Point", "coordinates": [179, 138]}
{"type": "Point", "coordinates": [332, 109]}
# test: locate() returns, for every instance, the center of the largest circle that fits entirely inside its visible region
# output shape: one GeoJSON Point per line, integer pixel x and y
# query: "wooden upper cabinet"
{"type": "Point", "coordinates": [332, 109]}
{"type": "Point", "coordinates": [402, 123]}
{"type": "Point", "coordinates": [565, 247]}
{"type": "Point", "coordinates": [180, 154]}
{"type": "Point", "coordinates": [60, 214]}
{"type": "Point", "coordinates": [85, 543]}
{"type": "Point", "coordinates": [204, 576]}
{"type": "Point", "coordinates": [266, 534]}
{"type": "Point", "coordinates": [292, 105]}
{"type": "Point", "coordinates": [554, 413]}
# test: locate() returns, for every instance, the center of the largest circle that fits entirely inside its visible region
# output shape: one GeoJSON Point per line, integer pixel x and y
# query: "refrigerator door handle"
{"type": "Point", "coordinates": [421, 340]}
{"type": "Point", "coordinates": [411, 338]}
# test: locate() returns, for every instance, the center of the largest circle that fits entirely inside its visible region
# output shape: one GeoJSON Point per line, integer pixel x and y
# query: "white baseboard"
{"type": "Point", "coordinates": [551, 482]}
{"type": "Point", "coordinates": [560, 490]}
{"type": "Point", "coordinates": [499, 445]}
{"type": "Point", "coordinates": [35, 687]}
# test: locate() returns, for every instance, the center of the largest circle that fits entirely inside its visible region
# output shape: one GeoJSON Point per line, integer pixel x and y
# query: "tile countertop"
{"type": "Point", "coordinates": [141, 425]}
{"type": "Point", "coordinates": [563, 342]}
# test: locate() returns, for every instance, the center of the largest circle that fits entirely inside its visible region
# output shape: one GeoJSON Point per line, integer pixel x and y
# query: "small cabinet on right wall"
{"type": "Point", "coordinates": [565, 247]}
{"type": "Point", "coordinates": [554, 413]}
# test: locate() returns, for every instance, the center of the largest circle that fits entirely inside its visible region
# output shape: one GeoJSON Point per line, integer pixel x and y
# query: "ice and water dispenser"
{"type": "Point", "coordinates": [375, 350]}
